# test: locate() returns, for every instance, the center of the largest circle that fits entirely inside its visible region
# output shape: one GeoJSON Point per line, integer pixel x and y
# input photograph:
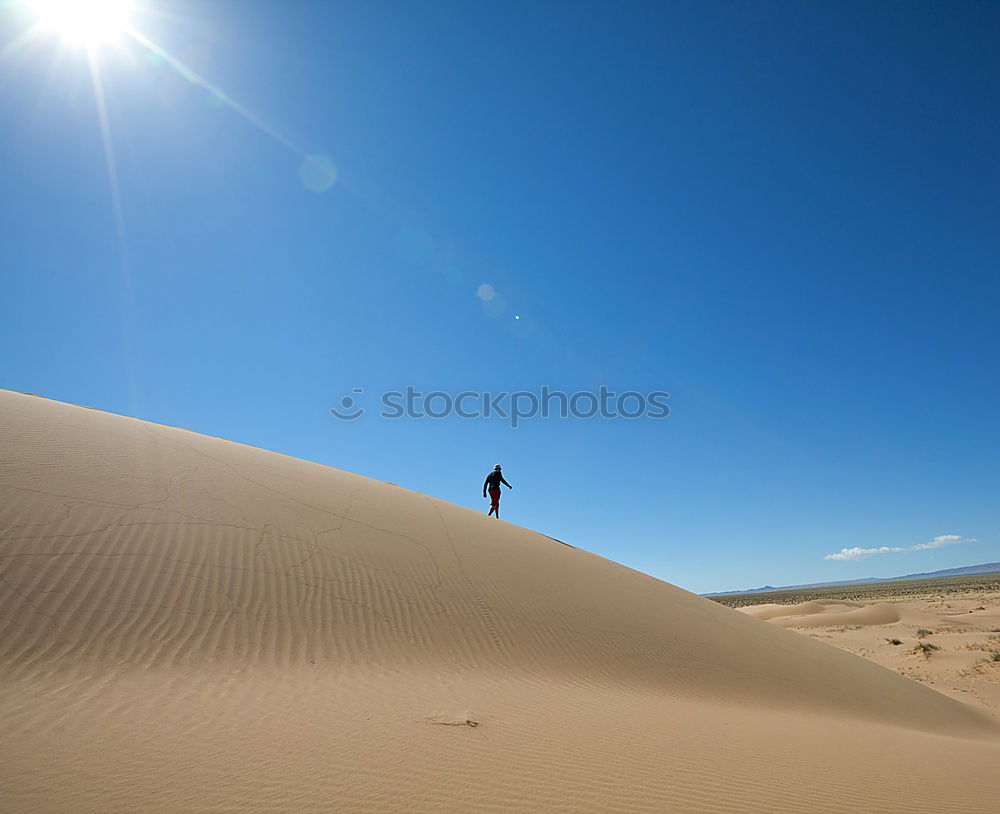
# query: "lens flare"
{"type": "Point", "coordinates": [318, 173]}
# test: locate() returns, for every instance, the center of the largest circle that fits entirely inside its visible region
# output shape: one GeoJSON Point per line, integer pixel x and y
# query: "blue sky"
{"type": "Point", "coordinates": [783, 214]}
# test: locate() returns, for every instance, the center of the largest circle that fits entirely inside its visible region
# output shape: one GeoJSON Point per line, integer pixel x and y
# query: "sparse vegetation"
{"type": "Point", "coordinates": [992, 644]}
{"type": "Point", "coordinates": [981, 667]}
{"type": "Point", "coordinates": [924, 632]}
{"type": "Point", "coordinates": [895, 641]}
{"type": "Point", "coordinates": [872, 592]}
{"type": "Point", "coordinates": [926, 648]}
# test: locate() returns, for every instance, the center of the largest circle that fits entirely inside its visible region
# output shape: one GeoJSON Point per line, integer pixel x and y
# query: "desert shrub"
{"type": "Point", "coordinates": [894, 641]}
{"type": "Point", "coordinates": [926, 648]}
{"type": "Point", "coordinates": [924, 632]}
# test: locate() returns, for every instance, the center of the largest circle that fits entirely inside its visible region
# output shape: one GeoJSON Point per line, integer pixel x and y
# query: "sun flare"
{"type": "Point", "coordinates": [89, 22]}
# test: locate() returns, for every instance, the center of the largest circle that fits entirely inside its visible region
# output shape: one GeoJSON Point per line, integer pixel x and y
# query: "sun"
{"type": "Point", "coordinates": [88, 22]}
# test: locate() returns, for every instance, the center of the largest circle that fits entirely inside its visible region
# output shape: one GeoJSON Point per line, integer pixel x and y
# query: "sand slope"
{"type": "Point", "coordinates": [191, 624]}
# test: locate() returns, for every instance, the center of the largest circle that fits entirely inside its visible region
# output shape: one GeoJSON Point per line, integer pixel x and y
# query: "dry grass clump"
{"type": "Point", "coordinates": [991, 644]}
{"type": "Point", "coordinates": [924, 632]}
{"type": "Point", "coordinates": [982, 666]}
{"type": "Point", "coordinates": [926, 648]}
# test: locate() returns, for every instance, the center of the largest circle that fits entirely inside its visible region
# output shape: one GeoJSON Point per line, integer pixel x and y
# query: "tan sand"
{"type": "Point", "coordinates": [949, 641]}
{"type": "Point", "coordinates": [193, 625]}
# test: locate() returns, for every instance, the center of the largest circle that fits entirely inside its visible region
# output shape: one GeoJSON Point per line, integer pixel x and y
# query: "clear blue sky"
{"type": "Point", "coordinates": [784, 214]}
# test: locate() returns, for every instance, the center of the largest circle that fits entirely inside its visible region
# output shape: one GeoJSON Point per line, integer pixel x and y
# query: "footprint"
{"type": "Point", "coordinates": [452, 720]}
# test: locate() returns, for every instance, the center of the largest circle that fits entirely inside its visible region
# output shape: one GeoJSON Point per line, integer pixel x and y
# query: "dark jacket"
{"type": "Point", "coordinates": [493, 481]}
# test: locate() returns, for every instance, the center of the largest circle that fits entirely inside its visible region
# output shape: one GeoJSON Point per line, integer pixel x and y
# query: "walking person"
{"type": "Point", "coordinates": [492, 482]}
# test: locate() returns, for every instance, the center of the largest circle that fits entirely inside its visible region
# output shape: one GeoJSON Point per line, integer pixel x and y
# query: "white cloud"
{"type": "Point", "coordinates": [857, 553]}
{"type": "Point", "coordinates": [937, 542]}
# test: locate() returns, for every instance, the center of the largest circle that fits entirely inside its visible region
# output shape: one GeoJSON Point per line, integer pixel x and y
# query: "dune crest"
{"type": "Point", "coordinates": [222, 627]}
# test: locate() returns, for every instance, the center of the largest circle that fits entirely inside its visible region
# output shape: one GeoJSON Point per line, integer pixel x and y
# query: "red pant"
{"type": "Point", "coordinates": [495, 496]}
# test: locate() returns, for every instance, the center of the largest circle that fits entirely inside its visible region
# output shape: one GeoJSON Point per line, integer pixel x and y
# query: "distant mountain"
{"type": "Point", "coordinates": [967, 570]}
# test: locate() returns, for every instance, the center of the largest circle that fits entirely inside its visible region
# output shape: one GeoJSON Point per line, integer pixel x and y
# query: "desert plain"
{"type": "Point", "coordinates": [190, 624]}
{"type": "Point", "coordinates": [943, 632]}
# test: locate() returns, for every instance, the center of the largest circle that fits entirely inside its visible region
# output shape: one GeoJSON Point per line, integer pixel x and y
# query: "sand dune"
{"type": "Point", "coordinates": [192, 624]}
{"type": "Point", "coordinates": [826, 613]}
